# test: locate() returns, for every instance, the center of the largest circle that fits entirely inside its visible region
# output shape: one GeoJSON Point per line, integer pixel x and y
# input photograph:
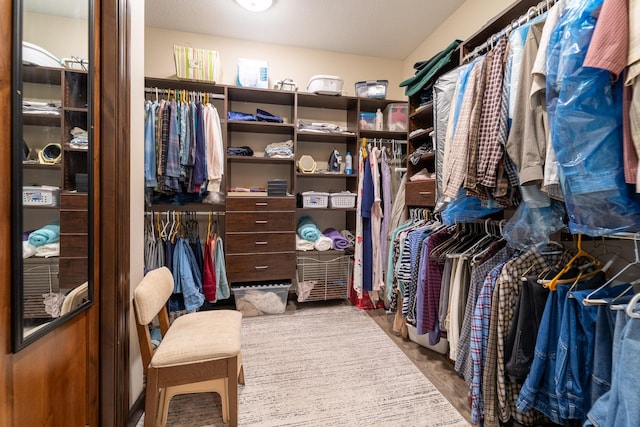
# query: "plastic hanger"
{"type": "Point", "coordinates": [580, 254]}
{"type": "Point", "coordinates": [589, 301]}
{"type": "Point", "coordinates": [632, 305]}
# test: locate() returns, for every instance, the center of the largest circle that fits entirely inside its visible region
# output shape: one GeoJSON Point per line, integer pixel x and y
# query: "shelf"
{"type": "Point", "coordinates": [312, 100]}
{"type": "Point", "coordinates": [42, 75]}
{"type": "Point", "coordinates": [421, 136]}
{"type": "Point", "coordinates": [76, 109]}
{"type": "Point", "coordinates": [424, 113]}
{"type": "Point", "coordinates": [260, 96]}
{"type": "Point", "coordinates": [372, 104]}
{"type": "Point", "coordinates": [327, 209]}
{"type": "Point", "coordinates": [253, 159]}
{"type": "Point", "coordinates": [41, 120]}
{"type": "Point", "coordinates": [260, 127]}
{"type": "Point", "coordinates": [326, 175]}
{"type": "Point", "coordinates": [43, 166]}
{"type": "Point", "coordinates": [206, 87]}
{"type": "Point", "coordinates": [383, 134]}
{"type": "Point", "coordinates": [196, 207]}
{"type": "Point", "coordinates": [331, 138]}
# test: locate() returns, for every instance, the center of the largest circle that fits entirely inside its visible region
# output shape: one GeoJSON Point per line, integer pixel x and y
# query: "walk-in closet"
{"type": "Point", "coordinates": [277, 213]}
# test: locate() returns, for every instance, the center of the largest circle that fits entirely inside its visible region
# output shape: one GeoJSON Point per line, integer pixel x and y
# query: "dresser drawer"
{"type": "Point", "coordinates": [74, 245]}
{"type": "Point", "coordinates": [420, 193]}
{"type": "Point", "coordinates": [74, 221]}
{"type": "Point", "coordinates": [244, 243]}
{"type": "Point", "coordinates": [75, 201]}
{"type": "Point", "coordinates": [260, 267]}
{"type": "Point", "coordinates": [257, 222]}
{"type": "Point", "coordinates": [260, 204]}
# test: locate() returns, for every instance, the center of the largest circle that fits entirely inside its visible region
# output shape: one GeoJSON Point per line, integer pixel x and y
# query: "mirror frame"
{"type": "Point", "coordinates": [19, 340]}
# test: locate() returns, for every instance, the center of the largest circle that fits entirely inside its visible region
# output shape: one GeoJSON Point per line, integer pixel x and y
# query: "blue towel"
{"type": "Point", "coordinates": [47, 234]}
{"type": "Point", "coordinates": [308, 230]}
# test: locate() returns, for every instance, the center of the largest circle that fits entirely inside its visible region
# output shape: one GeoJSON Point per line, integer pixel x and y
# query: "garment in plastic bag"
{"type": "Point", "coordinates": [443, 91]}
{"type": "Point", "coordinates": [465, 209]}
{"type": "Point", "coordinates": [585, 116]}
{"type": "Point", "coordinates": [531, 226]}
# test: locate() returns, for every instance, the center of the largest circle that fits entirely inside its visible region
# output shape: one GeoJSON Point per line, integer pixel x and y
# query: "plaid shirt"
{"type": "Point", "coordinates": [456, 170]}
{"type": "Point", "coordinates": [493, 120]}
{"type": "Point", "coordinates": [497, 255]}
{"type": "Point", "coordinates": [433, 283]}
{"type": "Point", "coordinates": [479, 341]}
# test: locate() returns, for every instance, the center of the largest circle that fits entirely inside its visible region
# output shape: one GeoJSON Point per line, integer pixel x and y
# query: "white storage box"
{"type": "Point", "coordinates": [261, 299]}
{"type": "Point", "coordinates": [372, 89]}
{"type": "Point", "coordinates": [442, 347]}
{"type": "Point", "coordinates": [40, 196]}
{"type": "Point", "coordinates": [325, 85]}
{"type": "Point", "coordinates": [315, 199]}
{"type": "Point", "coordinates": [344, 199]}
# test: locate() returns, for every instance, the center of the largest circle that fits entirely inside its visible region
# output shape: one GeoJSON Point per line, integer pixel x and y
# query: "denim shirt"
{"type": "Point", "coordinates": [150, 179]}
{"type": "Point", "coordinates": [187, 277]}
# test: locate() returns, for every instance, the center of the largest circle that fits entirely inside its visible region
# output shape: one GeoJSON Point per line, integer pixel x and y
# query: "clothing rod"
{"type": "Point", "coordinates": [197, 213]}
{"type": "Point", "coordinates": [167, 91]}
{"type": "Point", "coordinates": [533, 11]}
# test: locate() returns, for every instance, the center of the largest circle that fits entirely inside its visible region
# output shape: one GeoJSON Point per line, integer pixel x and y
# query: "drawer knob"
{"type": "Point", "coordinates": [261, 221]}
{"type": "Point", "coordinates": [261, 243]}
{"type": "Point", "coordinates": [261, 267]}
{"type": "Point", "coordinates": [425, 193]}
{"type": "Point", "coordinates": [262, 204]}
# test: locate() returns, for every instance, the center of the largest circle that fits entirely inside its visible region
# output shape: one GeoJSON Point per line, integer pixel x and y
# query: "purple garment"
{"type": "Point", "coordinates": [340, 243]}
{"type": "Point", "coordinates": [385, 174]}
{"type": "Point", "coordinates": [429, 284]}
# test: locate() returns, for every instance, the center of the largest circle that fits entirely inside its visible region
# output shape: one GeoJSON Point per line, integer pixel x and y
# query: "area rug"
{"type": "Point", "coordinates": [324, 367]}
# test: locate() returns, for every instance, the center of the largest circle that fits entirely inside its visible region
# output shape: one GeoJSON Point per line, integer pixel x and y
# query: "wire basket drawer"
{"type": "Point", "coordinates": [323, 276]}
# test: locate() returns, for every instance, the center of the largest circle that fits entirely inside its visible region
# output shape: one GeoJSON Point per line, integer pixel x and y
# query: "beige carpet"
{"type": "Point", "coordinates": [323, 366]}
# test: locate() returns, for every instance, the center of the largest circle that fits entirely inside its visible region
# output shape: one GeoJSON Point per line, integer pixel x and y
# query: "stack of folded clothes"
{"type": "Point", "coordinates": [261, 116]}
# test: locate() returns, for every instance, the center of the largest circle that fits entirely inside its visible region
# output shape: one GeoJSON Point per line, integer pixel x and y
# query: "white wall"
{"type": "Point", "coordinates": [284, 61]}
{"type": "Point", "coordinates": [462, 24]}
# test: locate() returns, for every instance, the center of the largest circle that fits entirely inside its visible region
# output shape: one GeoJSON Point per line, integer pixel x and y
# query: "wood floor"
{"type": "Point", "coordinates": [435, 366]}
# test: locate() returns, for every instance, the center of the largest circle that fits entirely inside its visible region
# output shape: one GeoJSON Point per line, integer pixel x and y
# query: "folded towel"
{"type": "Point", "coordinates": [340, 243]}
{"type": "Point", "coordinates": [323, 243]}
{"type": "Point", "coordinates": [48, 250]}
{"type": "Point", "coordinates": [48, 234]}
{"type": "Point", "coordinates": [303, 245]}
{"type": "Point", "coordinates": [349, 236]}
{"type": "Point", "coordinates": [307, 229]}
{"type": "Point", "coordinates": [28, 250]}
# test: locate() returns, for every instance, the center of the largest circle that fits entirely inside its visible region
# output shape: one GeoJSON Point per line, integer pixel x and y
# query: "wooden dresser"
{"type": "Point", "coordinates": [260, 238]}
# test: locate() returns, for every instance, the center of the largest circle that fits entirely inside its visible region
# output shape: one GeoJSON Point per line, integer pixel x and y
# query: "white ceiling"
{"type": "Point", "coordinates": [381, 28]}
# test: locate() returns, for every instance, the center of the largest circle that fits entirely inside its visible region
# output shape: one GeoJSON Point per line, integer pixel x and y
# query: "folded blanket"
{"type": "Point", "coordinates": [307, 229]}
{"type": "Point", "coordinates": [48, 234]}
{"type": "Point", "coordinates": [303, 245]}
{"type": "Point", "coordinates": [323, 243]}
{"type": "Point", "coordinates": [340, 243]}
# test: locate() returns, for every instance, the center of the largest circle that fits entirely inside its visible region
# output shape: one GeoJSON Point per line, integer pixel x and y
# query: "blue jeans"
{"type": "Point", "coordinates": [539, 389]}
{"type": "Point", "coordinates": [620, 406]}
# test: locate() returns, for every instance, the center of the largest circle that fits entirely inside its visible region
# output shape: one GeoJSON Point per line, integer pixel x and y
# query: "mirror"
{"type": "Point", "coordinates": [52, 165]}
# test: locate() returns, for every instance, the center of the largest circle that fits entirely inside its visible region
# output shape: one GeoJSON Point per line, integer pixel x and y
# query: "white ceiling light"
{"type": "Point", "coordinates": [255, 5]}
